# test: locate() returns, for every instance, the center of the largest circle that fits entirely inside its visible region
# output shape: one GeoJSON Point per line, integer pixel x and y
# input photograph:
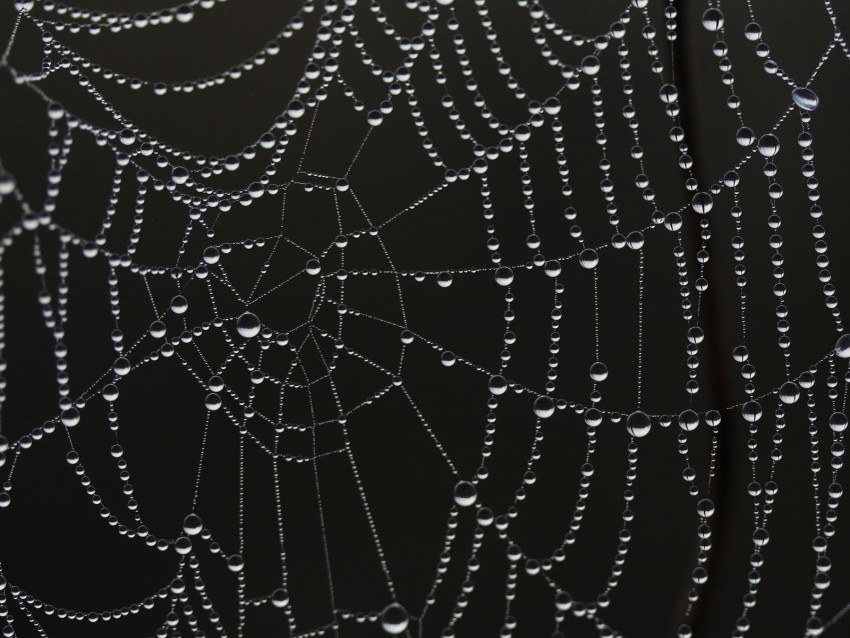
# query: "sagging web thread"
{"type": "Point", "coordinates": [189, 179]}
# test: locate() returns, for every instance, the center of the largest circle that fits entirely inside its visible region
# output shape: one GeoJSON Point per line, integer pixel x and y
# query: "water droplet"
{"type": "Point", "coordinates": [751, 411]}
{"type": "Point", "coordinates": [768, 145]}
{"type": "Point", "coordinates": [838, 422]}
{"type": "Point", "coordinates": [590, 65]}
{"type": "Point", "coordinates": [157, 329]}
{"type": "Point", "coordinates": [504, 276]}
{"type": "Point", "coordinates": [842, 346]}
{"type": "Point", "coordinates": [497, 384]}
{"type": "Point", "coordinates": [248, 325]}
{"type": "Point", "coordinates": [712, 19]}
{"type": "Point", "coordinates": [588, 258]}
{"type": "Point", "coordinates": [668, 93]}
{"type": "Point", "coordinates": [121, 366]}
{"type": "Point", "coordinates": [688, 420]}
{"type": "Point", "coordinates": [7, 184]}
{"type": "Point", "coordinates": [394, 619]}
{"type": "Point", "coordinates": [184, 13]}
{"type": "Point", "coordinates": [789, 392]}
{"type": "Point", "coordinates": [235, 563]}
{"type": "Point", "coordinates": [465, 493]}
{"type": "Point", "coordinates": [702, 203]}
{"type": "Point", "coordinates": [761, 537]}
{"type": "Point", "coordinates": [193, 525]}
{"type": "Point", "coordinates": [70, 417]}
{"type": "Point", "coordinates": [180, 175]}
{"type": "Point", "coordinates": [705, 508]}
{"type": "Point", "coordinates": [295, 109]}
{"type": "Point", "coordinates": [638, 424]}
{"type": "Point", "coordinates": [179, 305]}
{"type": "Point", "coordinates": [313, 267]}
{"type": "Point", "coordinates": [598, 371]}
{"type": "Point", "coordinates": [280, 597]}
{"type": "Point", "coordinates": [544, 407]}
{"type": "Point", "coordinates": [448, 359]}
{"type": "Point", "coordinates": [805, 99]}
{"type": "Point", "coordinates": [212, 401]}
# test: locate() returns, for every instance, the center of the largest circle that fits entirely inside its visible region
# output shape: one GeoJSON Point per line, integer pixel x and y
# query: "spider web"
{"type": "Point", "coordinates": [433, 292]}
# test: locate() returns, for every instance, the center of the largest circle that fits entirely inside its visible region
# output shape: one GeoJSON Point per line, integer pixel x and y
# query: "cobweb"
{"type": "Point", "coordinates": [363, 375]}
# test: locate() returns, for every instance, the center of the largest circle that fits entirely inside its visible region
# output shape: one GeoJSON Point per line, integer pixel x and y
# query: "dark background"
{"type": "Point", "coordinates": [58, 549]}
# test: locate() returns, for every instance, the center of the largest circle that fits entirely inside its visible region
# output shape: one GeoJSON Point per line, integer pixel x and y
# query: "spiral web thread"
{"type": "Point", "coordinates": [179, 323]}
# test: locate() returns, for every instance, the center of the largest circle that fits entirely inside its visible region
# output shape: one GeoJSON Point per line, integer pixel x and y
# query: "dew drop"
{"type": "Point", "coordinates": [504, 276]}
{"type": "Point", "coordinates": [712, 19]}
{"type": "Point", "coordinates": [193, 525]}
{"type": "Point", "coordinates": [179, 305]}
{"type": "Point", "coordinates": [465, 494]}
{"type": "Point", "coordinates": [598, 371]}
{"type": "Point", "coordinates": [280, 598]}
{"type": "Point", "coordinates": [842, 346]}
{"type": "Point", "coordinates": [235, 563]}
{"type": "Point", "coordinates": [705, 508]}
{"type": "Point", "coordinates": [184, 13]}
{"type": "Point", "coordinates": [838, 422]}
{"type": "Point", "coordinates": [313, 267]}
{"type": "Point", "coordinates": [638, 424]}
{"type": "Point", "coordinates": [180, 175]}
{"type": "Point", "coordinates": [70, 417]}
{"type": "Point", "coordinates": [702, 203]}
{"type": "Point", "coordinates": [394, 619]}
{"type": "Point", "coordinates": [805, 99]}
{"type": "Point", "coordinates": [789, 392]}
{"type": "Point", "coordinates": [688, 420]}
{"type": "Point", "coordinates": [588, 258]}
{"type": "Point", "coordinates": [544, 407]}
{"type": "Point", "coordinates": [248, 325]}
{"type": "Point", "coordinates": [590, 65]}
{"type": "Point", "coordinates": [497, 384]}
{"type": "Point", "coordinates": [7, 184]}
{"type": "Point", "coordinates": [768, 145]}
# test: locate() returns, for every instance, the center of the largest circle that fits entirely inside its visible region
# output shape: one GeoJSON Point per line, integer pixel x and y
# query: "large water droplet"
{"type": "Point", "coordinates": [465, 493]}
{"type": "Point", "coordinates": [768, 145]}
{"type": "Point", "coordinates": [504, 276]}
{"type": "Point", "coordinates": [588, 258]}
{"type": "Point", "coordinates": [394, 619]}
{"type": "Point", "coordinates": [805, 98]}
{"type": "Point", "coordinates": [638, 424]}
{"type": "Point", "coordinates": [599, 371]}
{"type": "Point", "coordinates": [248, 325]}
{"type": "Point", "coordinates": [193, 525]}
{"type": "Point", "coordinates": [544, 407]}
{"type": "Point", "coordinates": [712, 19]}
{"type": "Point", "coordinates": [280, 597]}
{"type": "Point", "coordinates": [842, 346]}
{"type": "Point", "coordinates": [497, 384]}
{"type": "Point", "coordinates": [688, 420]}
{"type": "Point", "coordinates": [789, 392]}
{"type": "Point", "coordinates": [702, 203]}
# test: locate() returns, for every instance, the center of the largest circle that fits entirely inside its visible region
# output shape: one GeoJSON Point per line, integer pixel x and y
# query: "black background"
{"type": "Point", "coordinates": [57, 548]}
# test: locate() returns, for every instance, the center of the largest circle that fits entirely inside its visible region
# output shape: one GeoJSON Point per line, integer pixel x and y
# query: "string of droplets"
{"type": "Point", "coordinates": [395, 618]}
